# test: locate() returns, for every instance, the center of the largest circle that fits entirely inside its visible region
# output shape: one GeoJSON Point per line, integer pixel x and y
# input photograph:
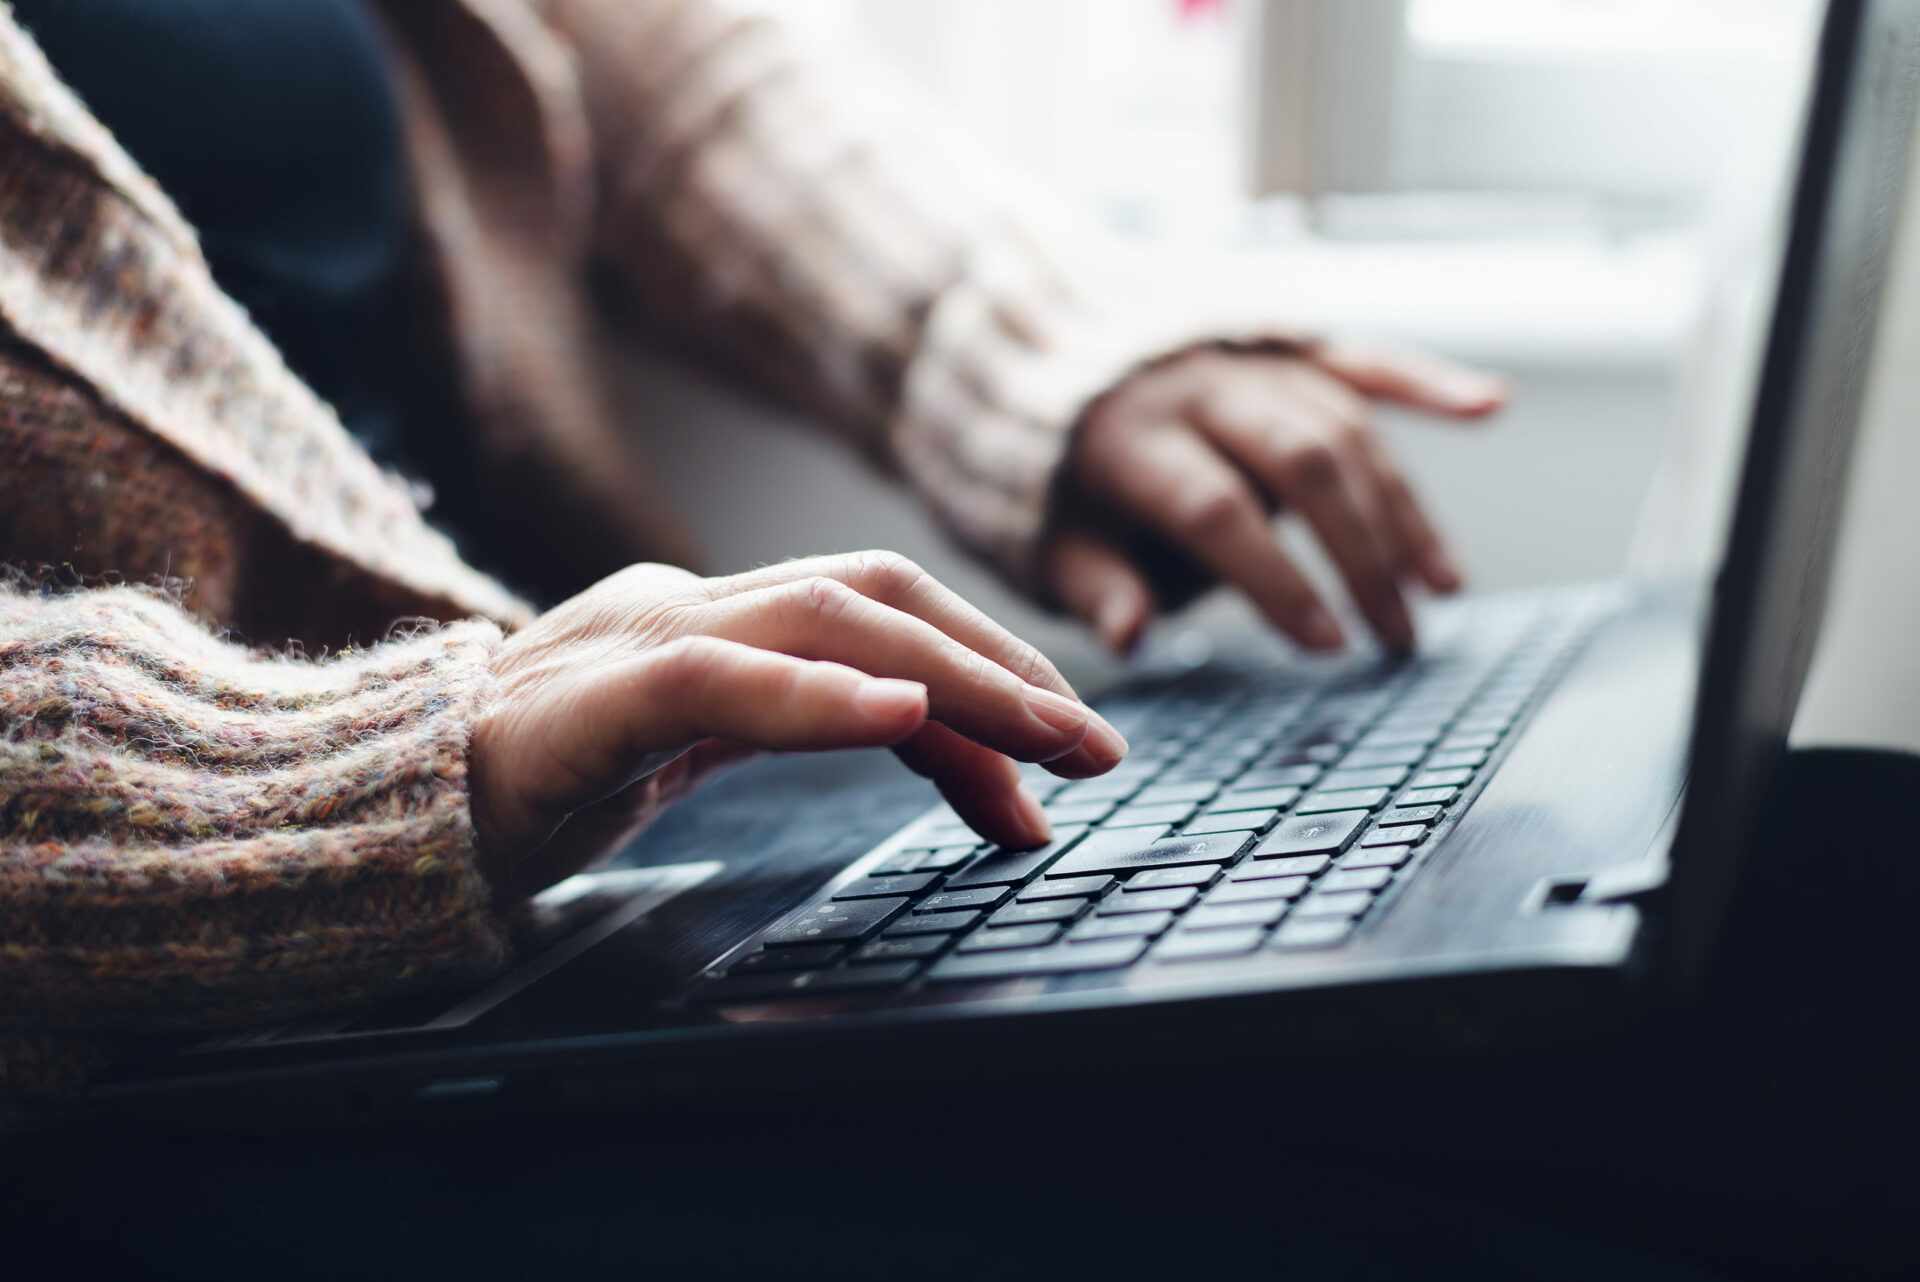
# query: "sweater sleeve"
{"type": "Point", "coordinates": [192, 833]}
{"type": "Point", "coordinates": [955, 328]}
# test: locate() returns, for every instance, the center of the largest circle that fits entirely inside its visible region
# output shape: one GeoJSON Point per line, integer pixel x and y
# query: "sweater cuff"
{"type": "Point", "coordinates": [192, 833]}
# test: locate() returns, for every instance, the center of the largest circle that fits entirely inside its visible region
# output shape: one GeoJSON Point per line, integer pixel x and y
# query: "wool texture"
{"type": "Point", "coordinates": [193, 833]}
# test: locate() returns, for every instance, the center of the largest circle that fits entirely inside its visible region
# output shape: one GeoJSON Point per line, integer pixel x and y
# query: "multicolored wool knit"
{"type": "Point", "coordinates": [198, 834]}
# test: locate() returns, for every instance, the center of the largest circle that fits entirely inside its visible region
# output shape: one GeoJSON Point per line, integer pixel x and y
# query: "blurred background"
{"type": "Point", "coordinates": [1579, 193]}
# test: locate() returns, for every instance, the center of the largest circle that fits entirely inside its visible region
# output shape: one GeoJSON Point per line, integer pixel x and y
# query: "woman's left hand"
{"type": "Point", "coordinates": [1191, 457]}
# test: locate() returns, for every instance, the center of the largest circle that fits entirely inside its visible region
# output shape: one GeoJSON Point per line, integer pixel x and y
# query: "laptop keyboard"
{"type": "Point", "coordinates": [1258, 812]}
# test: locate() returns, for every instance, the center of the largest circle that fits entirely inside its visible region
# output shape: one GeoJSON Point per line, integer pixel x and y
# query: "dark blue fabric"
{"type": "Point", "coordinates": [273, 125]}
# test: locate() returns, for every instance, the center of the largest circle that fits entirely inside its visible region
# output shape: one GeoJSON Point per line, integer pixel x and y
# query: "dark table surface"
{"type": "Point", "coordinates": [1767, 1130]}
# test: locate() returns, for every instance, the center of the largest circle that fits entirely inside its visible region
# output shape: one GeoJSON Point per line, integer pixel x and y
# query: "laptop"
{"type": "Point", "coordinates": [1528, 831]}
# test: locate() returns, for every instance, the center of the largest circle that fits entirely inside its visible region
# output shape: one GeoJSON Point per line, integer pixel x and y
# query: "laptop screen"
{"type": "Point", "coordinates": [1771, 590]}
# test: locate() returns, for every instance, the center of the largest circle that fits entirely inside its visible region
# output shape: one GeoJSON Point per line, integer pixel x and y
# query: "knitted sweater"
{"type": "Point", "coordinates": [194, 830]}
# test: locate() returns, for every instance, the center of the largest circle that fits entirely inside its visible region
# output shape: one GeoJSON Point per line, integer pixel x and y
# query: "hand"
{"type": "Point", "coordinates": [1184, 463]}
{"type": "Point", "coordinates": [616, 703]}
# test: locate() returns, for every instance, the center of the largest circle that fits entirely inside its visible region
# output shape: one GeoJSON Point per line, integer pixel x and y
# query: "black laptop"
{"type": "Point", "coordinates": [1526, 832]}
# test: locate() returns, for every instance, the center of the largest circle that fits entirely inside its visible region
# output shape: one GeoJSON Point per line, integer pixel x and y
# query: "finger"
{"type": "Point", "coordinates": [1412, 378]}
{"type": "Point", "coordinates": [1314, 467]}
{"type": "Point", "coordinates": [981, 785]}
{"type": "Point", "coordinates": [822, 618]}
{"type": "Point", "coordinates": [894, 580]}
{"type": "Point", "coordinates": [1422, 553]}
{"type": "Point", "coordinates": [1100, 587]}
{"type": "Point", "coordinates": [598, 731]}
{"type": "Point", "coordinates": [1181, 486]}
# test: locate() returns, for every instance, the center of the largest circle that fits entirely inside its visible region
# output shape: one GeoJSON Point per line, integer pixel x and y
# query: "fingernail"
{"type": "Point", "coordinates": [886, 700]}
{"type": "Point", "coordinates": [1440, 571]}
{"type": "Point", "coordinates": [1114, 621]}
{"type": "Point", "coordinates": [1476, 391]}
{"type": "Point", "coordinates": [1057, 713]}
{"type": "Point", "coordinates": [1319, 630]}
{"type": "Point", "coordinates": [1103, 743]}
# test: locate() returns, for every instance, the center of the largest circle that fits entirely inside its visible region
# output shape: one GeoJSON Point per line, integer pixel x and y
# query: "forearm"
{"type": "Point", "coordinates": [192, 834]}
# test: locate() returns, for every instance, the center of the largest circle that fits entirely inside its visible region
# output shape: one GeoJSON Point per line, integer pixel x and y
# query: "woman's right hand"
{"type": "Point", "coordinates": [615, 703]}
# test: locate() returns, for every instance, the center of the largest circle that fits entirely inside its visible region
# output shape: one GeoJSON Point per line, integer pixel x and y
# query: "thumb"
{"type": "Point", "coordinates": [1413, 378]}
{"type": "Point", "coordinates": [1099, 587]}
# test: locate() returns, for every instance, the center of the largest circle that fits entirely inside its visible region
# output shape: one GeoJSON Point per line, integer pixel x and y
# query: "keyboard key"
{"type": "Point", "coordinates": [1132, 816]}
{"type": "Point", "coordinates": [803, 957]}
{"type": "Point", "coordinates": [1043, 910]}
{"type": "Point", "coordinates": [1396, 835]}
{"type": "Point", "coordinates": [835, 922]}
{"type": "Point", "coordinates": [1406, 754]}
{"type": "Point", "coordinates": [1376, 857]}
{"type": "Point", "coordinates": [1061, 959]}
{"type": "Point", "coordinates": [1313, 932]}
{"type": "Point", "coordinates": [1247, 821]}
{"type": "Point", "coordinates": [1440, 778]}
{"type": "Point", "coordinates": [1107, 852]}
{"type": "Point", "coordinates": [1286, 866]}
{"type": "Point", "coordinates": [1079, 812]}
{"type": "Point", "coordinates": [1255, 799]}
{"type": "Point", "coordinates": [1344, 878]}
{"type": "Point", "coordinates": [1067, 888]}
{"type": "Point", "coordinates": [1411, 815]}
{"type": "Point", "coordinates": [1242, 892]}
{"type": "Point", "coordinates": [990, 938]}
{"type": "Point", "coordinates": [1214, 916]}
{"type": "Point", "coordinates": [945, 859]}
{"type": "Point", "coordinates": [1468, 757]}
{"type": "Point", "coordinates": [1427, 797]}
{"type": "Point", "coordinates": [906, 948]}
{"type": "Point", "coordinates": [1478, 739]}
{"type": "Point", "coordinates": [1378, 777]}
{"type": "Point", "coordinates": [1351, 799]}
{"type": "Point", "coordinates": [1215, 848]}
{"type": "Point", "coordinates": [1143, 924]}
{"type": "Point", "coordinates": [1204, 944]}
{"type": "Point", "coordinates": [1111, 786]}
{"type": "Point", "coordinates": [846, 979]}
{"type": "Point", "coordinates": [1311, 834]}
{"type": "Point", "coordinates": [899, 862]}
{"type": "Point", "coordinates": [883, 887]}
{"type": "Point", "coordinates": [1349, 904]}
{"type": "Point", "coordinates": [947, 923]}
{"type": "Point", "coordinates": [1015, 867]}
{"type": "Point", "coordinates": [946, 900]}
{"type": "Point", "coordinates": [1400, 738]}
{"type": "Point", "coordinates": [1276, 777]}
{"type": "Point", "coordinates": [1158, 794]}
{"type": "Point", "coordinates": [1163, 878]}
{"type": "Point", "coordinates": [1172, 899]}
